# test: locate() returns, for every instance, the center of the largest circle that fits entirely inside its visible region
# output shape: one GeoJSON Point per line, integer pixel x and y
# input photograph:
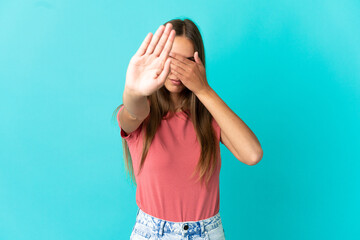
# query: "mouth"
{"type": "Point", "coordinates": [176, 82]}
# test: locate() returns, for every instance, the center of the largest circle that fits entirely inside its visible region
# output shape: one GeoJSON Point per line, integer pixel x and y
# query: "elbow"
{"type": "Point", "coordinates": [257, 158]}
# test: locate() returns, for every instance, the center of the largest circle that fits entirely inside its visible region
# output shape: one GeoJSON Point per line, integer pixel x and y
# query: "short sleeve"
{"type": "Point", "coordinates": [128, 137]}
{"type": "Point", "coordinates": [217, 130]}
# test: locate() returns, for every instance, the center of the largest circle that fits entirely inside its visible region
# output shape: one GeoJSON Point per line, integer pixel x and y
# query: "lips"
{"type": "Point", "coordinates": [176, 82]}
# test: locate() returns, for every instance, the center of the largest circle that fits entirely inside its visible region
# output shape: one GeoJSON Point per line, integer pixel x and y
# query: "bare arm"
{"type": "Point", "coordinates": [235, 134]}
{"type": "Point", "coordinates": [146, 73]}
{"type": "Point", "coordinates": [139, 106]}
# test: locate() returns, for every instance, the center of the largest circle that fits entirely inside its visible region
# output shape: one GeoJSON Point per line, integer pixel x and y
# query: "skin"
{"type": "Point", "coordinates": [159, 60]}
{"type": "Point", "coordinates": [183, 47]}
{"type": "Point", "coordinates": [235, 134]}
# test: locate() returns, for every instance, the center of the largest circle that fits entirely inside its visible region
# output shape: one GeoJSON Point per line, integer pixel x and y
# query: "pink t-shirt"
{"type": "Point", "coordinates": [164, 187]}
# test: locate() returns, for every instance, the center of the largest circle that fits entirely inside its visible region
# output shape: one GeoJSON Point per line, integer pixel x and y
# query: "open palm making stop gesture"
{"type": "Point", "coordinates": [150, 66]}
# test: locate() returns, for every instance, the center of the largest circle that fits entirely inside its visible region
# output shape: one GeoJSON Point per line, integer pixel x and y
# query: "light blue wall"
{"type": "Point", "coordinates": [289, 69]}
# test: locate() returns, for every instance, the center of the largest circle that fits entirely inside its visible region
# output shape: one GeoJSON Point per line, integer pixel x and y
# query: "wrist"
{"type": "Point", "coordinates": [136, 105]}
{"type": "Point", "coordinates": [204, 91]}
{"type": "Point", "coordinates": [130, 92]}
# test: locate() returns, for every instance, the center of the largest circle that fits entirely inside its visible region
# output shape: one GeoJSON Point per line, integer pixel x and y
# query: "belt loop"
{"type": "Point", "coordinates": [202, 228]}
{"type": "Point", "coordinates": [161, 230]}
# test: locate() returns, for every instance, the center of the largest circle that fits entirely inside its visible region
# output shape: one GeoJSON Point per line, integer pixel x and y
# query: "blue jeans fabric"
{"type": "Point", "coordinates": [149, 227]}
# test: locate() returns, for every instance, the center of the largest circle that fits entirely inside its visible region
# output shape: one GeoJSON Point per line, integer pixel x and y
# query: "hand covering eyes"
{"type": "Point", "coordinates": [191, 59]}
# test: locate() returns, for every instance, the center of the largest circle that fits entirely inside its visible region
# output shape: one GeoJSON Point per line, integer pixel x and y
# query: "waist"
{"type": "Point", "coordinates": [164, 226]}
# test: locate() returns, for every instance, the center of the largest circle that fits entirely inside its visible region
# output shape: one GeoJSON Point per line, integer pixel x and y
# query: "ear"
{"type": "Point", "coordinates": [197, 59]}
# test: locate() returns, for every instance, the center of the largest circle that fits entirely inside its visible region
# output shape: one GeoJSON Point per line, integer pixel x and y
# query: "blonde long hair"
{"type": "Point", "coordinates": [161, 104]}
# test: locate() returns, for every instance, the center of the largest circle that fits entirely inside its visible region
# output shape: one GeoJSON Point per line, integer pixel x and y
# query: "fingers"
{"type": "Point", "coordinates": [155, 39]}
{"type": "Point", "coordinates": [165, 72]}
{"type": "Point", "coordinates": [163, 40]}
{"type": "Point", "coordinates": [181, 64]}
{"type": "Point", "coordinates": [165, 52]}
{"type": "Point", "coordinates": [144, 45]}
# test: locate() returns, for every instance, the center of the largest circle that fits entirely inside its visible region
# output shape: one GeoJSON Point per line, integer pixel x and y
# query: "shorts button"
{"type": "Point", "coordinates": [186, 227]}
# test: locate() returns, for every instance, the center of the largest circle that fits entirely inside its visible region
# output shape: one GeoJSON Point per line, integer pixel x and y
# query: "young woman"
{"type": "Point", "coordinates": [172, 123]}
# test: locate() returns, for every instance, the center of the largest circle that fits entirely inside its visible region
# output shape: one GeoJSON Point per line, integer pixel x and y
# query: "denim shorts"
{"type": "Point", "coordinates": [149, 227]}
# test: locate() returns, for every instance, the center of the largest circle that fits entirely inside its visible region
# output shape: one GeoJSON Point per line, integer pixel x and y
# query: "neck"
{"type": "Point", "coordinates": [175, 100]}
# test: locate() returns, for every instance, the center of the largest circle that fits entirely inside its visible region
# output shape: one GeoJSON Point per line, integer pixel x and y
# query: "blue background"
{"type": "Point", "coordinates": [289, 69]}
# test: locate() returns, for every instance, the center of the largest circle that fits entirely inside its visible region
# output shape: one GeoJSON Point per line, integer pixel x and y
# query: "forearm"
{"type": "Point", "coordinates": [138, 106]}
{"type": "Point", "coordinates": [238, 133]}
